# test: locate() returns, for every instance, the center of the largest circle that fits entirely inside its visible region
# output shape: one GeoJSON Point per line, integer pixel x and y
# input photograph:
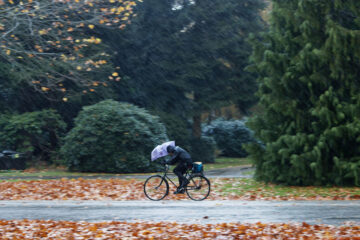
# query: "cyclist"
{"type": "Point", "coordinates": [183, 158]}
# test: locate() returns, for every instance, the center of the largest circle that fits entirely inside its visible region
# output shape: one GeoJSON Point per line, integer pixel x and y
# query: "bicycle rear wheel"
{"type": "Point", "coordinates": [198, 188]}
{"type": "Point", "coordinates": [156, 188]}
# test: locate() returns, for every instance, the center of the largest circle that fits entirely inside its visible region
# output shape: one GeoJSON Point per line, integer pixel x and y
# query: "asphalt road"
{"type": "Point", "coordinates": [312, 212]}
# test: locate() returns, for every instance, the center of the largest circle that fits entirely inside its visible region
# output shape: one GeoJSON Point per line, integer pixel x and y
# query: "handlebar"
{"type": "Point", "coordinates": [165, 165]}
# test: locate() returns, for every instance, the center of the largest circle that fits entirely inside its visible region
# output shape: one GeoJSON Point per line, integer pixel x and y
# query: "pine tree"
{"type": "Point", "coordinates": [309, 88]}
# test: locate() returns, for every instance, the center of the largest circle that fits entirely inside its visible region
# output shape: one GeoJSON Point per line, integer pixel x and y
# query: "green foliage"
{"type": "Point", "coordinates": [212, 70]}
{"type": "Point", "coordinates": [189, 60]}
{"type": "Point", "coordinates": [309, 88]}
{"type": "Point", "coordinates": [177, 128]}
{"type": "Point", "coordinates": [139, 50]}
{"type": "Point", "coordinates": [34, 132]}
{"type": "Point", "coordinates": [17, 95]}
{"type": "Point", "coordinates": [203, 149]}
{"type": "Point", "coordinates": [229, 135]}
{"type": "Point", "coordinates": [113, 137]}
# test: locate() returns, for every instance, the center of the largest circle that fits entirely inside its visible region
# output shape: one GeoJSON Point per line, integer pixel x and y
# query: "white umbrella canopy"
{"type": "Point", "coordinates": [160, 150]}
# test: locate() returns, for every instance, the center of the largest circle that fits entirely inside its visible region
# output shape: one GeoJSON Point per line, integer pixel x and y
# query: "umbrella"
{"type": "Point", "coordinates": [160, 150]}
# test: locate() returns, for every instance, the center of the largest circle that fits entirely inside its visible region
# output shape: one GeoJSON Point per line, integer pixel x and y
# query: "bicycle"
{"type": "Point", "coordinates": [157, 187]}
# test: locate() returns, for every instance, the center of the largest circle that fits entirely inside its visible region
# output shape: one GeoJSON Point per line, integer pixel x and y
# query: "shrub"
{"type": "Point", "coordinates": [203, 149]}
{"type": "Point", "coordinates": [229, 135]}
{"type": "Point", "coordinates": [113, 137]}
{"type": "Point", "coordinates": [37, 132]}
{"type": "Point", "coordinates": [177, 129]}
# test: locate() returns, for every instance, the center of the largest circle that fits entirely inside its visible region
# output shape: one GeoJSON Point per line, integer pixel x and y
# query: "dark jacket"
{"type": "Point", "coordinates": [180, 156]}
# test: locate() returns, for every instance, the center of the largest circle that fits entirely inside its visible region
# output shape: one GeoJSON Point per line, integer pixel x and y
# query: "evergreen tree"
{"type": "Point", "coordinates": [187, 57]}
{"type": "Point", "coordinates": [309, 87]}
{"type": "Point", "coordinates": [209, 53]}
{"type": "Point", "coordinates": [139, 49]}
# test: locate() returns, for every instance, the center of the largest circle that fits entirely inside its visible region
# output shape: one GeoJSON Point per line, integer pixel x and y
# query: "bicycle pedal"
{"type": "Point", "coordinates": [180, 191]}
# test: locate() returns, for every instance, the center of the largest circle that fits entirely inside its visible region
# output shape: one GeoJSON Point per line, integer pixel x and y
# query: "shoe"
{"type": "Point", "coordinates": [179, 191]}
{"type": "Point", "coordinates": [185, 183]}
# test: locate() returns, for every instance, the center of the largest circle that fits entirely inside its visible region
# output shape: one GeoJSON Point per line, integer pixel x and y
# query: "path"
{"type": "Point", "coordinates": [233, 172]}
{"type": "Point", "coordinates": [312, 212]}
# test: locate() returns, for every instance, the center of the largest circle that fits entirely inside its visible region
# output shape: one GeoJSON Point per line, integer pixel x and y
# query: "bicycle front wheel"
{"type": "Point", "coordinates": [156, 188]}
{"type": "Point", "coordinates": [198, 188]}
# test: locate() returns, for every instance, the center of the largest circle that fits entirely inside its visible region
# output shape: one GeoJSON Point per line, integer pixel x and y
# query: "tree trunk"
{"type": "Point", "coordinates": [196, 128]}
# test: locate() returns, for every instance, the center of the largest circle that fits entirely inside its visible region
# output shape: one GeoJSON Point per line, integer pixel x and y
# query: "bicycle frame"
{"type": "Point", "coordinates": [165, 175]}
{"type": "Point", "coordinates": [190, 189]}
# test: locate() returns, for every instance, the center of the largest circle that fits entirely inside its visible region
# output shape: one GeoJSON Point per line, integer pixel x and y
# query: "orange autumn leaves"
{"type": "Point", "coordinates": [77, 189]}
{"type": "Point", "coordinates": [132, 189]}
{"type": "Point", "coordinates": [46, 35]}
{"type": "Point", "coordinates": [41, 229]}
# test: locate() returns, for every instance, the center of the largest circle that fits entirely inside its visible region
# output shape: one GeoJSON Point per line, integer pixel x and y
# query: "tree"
{"type": "Point", "coordinates": [47, 43]}
{"type": "Point", "coordinates": [187, 57]}
{"type": "Point", "coordinates": [20, 97]}
{"type": "Point", "coordinates": [309, 89]}
{"type": "Point", "coordinates": [208, 54]}
{"type": "Point", "coordinates": [139, 50]}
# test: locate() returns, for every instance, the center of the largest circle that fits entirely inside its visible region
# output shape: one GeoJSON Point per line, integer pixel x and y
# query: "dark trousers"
{"type": "Point", "coordinates": [179, 171]}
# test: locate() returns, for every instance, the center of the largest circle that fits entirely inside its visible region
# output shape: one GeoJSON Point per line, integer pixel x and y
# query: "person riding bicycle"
{"type": "Point", "coordinates": [183, 158]}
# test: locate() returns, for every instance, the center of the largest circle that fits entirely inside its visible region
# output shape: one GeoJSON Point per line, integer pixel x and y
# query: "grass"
{"type": "Point", "coordinates": [46, 172]}
{"type": "Point", "coordinates": [227, 163]}
{"type": "Point", "coordinates": [43, 173]}
{"type": "Point", "coordinates": [251, 187]}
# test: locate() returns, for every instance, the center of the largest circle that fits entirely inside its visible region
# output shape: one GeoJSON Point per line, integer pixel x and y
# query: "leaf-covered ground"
{"type": "Point", "coordinates": [132, 189]}
{"type": "Point", "coordinates": [41, 229]}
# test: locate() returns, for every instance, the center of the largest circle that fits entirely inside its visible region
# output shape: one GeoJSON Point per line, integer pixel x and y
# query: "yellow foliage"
{"type": "Point", "coordinates": [55, 40]}
{"type": "Point", "coordinates": [42, 32]}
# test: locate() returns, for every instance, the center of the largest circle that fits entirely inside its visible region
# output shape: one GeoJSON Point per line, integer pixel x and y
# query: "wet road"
{"type": "Point", "coordinates": [312, 212]}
